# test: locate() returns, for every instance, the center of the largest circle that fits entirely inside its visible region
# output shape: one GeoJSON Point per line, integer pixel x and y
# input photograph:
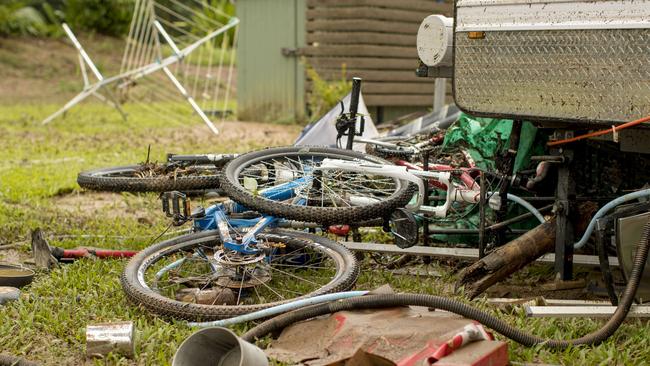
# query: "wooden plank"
{"type": "Point", "coordinates": [430, 6]}
{"type": "Point", "coordinates": [363, 25]}
{"type": "Point", "coordinates": [367, 63]}
{"type": "Point", "coordinates": [373, 75]}
{"type": "Point", "coordinates": [364, 12]}
{"type": "Point", "coordinates": [363, 50]}
{"type": "Point", "coordinates": [460, 253]}
{"type": "Point", "coordinates": [408, 40]}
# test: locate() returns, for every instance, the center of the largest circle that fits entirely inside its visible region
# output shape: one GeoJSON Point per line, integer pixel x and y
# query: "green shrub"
{"type": "Point", "coordinates": [325, 94]}
{"type": "Point", "coordinates": [216, 11]}
{"type": "Point", "coordinates": [16, 17]}
{"type": "Point", "coordinates": [110, 17]}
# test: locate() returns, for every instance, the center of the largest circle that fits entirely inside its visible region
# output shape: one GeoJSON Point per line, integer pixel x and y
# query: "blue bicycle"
{"type": "Point", "coordinates": [238, 259]}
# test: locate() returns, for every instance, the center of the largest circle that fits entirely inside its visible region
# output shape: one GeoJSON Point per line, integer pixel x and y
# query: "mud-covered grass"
{"type": "Point", "coordinates": [38, 169]}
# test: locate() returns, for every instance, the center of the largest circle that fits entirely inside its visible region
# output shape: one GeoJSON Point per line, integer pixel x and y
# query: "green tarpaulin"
{"type": "Point", "coordinates": [486, 138]}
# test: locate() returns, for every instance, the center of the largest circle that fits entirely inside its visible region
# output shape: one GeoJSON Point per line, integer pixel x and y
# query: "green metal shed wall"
{"type": "Point", "coordinates": [270, 86]}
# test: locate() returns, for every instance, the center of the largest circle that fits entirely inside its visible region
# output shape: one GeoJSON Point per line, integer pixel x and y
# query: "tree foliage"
{"type": "Point", "coordinates": [110, 17]}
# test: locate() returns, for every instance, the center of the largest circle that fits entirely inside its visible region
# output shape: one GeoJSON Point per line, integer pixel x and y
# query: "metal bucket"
{"type": "Point", "coordinates": [115, 337]}
{"type": "Point", "coordinates": [218, 346]}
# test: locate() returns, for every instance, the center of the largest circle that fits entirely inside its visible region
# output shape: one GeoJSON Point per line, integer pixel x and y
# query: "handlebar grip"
{"type": "Point", "coordinates": [354, 97]}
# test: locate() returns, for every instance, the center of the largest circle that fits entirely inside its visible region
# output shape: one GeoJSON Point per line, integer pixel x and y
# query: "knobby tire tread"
{"type": "Point", "coordinates": [324, 215]}
{"type": "Point", "coordinates": [100, 180]}
{"type": "Point", "coordinates": [158, 304]}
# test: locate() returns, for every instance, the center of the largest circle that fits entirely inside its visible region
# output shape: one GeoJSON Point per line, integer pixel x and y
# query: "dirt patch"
{"type": "Point", "coordinates": [233, 136]}
{"type": "Point", "coordinates": [13, 256]}
{"type": "Point", "coordinates": [37, 70]}
{"type": "Point", "coordinates": [104, 204]}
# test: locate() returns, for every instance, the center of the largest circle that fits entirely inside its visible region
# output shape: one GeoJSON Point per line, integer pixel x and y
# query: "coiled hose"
{"type": "Point", "coordinates": [454, 306]}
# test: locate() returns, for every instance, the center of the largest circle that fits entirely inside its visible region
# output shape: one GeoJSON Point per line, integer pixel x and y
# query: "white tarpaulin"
{"type": "Point", "coordinates": [323, 131]}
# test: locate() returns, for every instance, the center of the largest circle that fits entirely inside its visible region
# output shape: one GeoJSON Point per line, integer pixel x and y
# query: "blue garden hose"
{"type": "Point", "coordinates": [616, 202]}
{"type": "Point", "coordinates": [527, 206]}
{"type": "Point", "coordinates": [279, 309]}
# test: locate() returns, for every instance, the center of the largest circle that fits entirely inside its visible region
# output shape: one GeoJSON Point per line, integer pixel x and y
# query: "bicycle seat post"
{"type": "Point", "coordinates": [354, 105]}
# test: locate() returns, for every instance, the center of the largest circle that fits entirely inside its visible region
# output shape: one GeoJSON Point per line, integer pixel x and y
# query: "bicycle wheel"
{"type": "Point", "coordinates": [150, 178]}
{"type": "Point", "coordinates": [329, 196]}
{"type": "Point", "coordinates": [191, 277]}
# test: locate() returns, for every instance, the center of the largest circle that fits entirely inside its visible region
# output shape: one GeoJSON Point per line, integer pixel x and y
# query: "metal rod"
{"type": "Point", "coordinates": [636, 311]}
{"type": "Point", "coordinates": [167, 38]}
{"type": "Point", "coordinates": [84, 73]}
{"type": "Point", "coordinates": [496, 226]}
{"type": "Point", "coordinates": [563, 236]}
{"type": "Point", "coordinates": [190, 100]}
{"type": "Point", "coordinates": [481, 227]}
{"type": "Point", "coordinates": [83, 53]}
{"type": "Point", "coordinates": [427, 200]}
{"type": "Point", "coordinates": [461, 253]}
{"type": "Point", "coordinates": [434, 230]}
{"type": "Point", "coordinates": [519, 218]}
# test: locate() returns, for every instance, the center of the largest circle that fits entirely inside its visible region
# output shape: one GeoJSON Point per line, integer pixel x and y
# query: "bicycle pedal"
{"type": "Point", "coordinates": [176, 205]}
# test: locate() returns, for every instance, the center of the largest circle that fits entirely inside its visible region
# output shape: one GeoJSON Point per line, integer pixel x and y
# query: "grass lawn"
{"type": "Point", "coordinates": [38, 169]}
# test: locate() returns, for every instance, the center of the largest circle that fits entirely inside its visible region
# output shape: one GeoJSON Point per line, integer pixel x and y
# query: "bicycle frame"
{"type": "Point", "coordinates": [215, 217]}
{"type": "Point", "coordinates": [454, 194]}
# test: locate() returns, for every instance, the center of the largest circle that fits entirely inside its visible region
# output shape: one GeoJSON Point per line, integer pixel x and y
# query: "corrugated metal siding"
{"type": "Point", "coordinates": [270, 86]}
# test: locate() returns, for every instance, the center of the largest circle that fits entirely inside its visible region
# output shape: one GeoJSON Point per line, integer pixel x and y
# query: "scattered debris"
{"type": "Point", "coordinates": [8, 293]}
{"type": "Point", "coordinates": [507, 259]}
{"type": "Point", "coordinates": [41, 251]}
{"type": "Point", "coordinates": [421, 335]}
{"type": "Point", "coordinates": [10, 246]}
{"type": "Point", "coordinates": [416, 271]}
{"type": "Point", "coordinates": [218, 346]}
{"type": "Point", "coordinates": [563, 285]}
{"type": "Point", "coordinates": [15, 276]}
{"type": "Point", "coordinates": [46, 256]}
{"type": "Point", "coordinates": [213, 296]}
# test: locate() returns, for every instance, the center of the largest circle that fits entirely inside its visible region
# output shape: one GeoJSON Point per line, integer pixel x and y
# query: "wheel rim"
{"type": "Point", "coordinates": [318, 188]}
{"type": "Point", "coordinates": [298, 269]}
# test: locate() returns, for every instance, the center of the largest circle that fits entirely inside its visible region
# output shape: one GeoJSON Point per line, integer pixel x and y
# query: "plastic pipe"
{"type": "Point", "coordinates": [524, 204]}
{"type": "Point", "coordinates": [527, 206]}
{"type": "Point", "coordinates": [616, 202]}
{"type": "Point", "coordinates": [279, 309]}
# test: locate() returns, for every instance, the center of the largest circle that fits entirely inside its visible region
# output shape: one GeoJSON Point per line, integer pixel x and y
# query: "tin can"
{"type": "Point", "coordinates": [104, 338]}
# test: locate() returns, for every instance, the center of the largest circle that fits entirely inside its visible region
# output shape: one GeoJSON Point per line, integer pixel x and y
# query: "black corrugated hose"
{"type": "Point", "coordinates": [454, 306]}
{"type": "Point", "coordinates": [8, 360]}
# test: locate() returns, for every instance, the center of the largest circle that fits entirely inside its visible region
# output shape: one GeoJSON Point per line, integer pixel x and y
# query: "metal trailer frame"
{"type": "Point", "coordinates": [92, 89]}
{"type": "Point", "coordinates": [492, 26]}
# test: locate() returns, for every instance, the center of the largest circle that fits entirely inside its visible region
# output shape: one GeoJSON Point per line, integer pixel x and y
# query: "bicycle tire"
{"type": "Point", "coordinates": [325, 215]}
{"type": "Point", "coordinates": [125, 179]}
{"type": "Point", "coordinates": [388, 153]}
{"type": "Point", "coordinates": [138, 292]}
